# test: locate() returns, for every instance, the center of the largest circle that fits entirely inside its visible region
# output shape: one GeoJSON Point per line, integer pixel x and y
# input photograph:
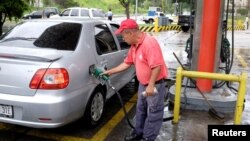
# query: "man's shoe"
{"type": "Point", "coordinates": [133, 137]}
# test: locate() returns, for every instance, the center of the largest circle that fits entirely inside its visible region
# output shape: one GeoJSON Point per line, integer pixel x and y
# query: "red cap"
{"type": "Point", "coordinates": [127, 24]}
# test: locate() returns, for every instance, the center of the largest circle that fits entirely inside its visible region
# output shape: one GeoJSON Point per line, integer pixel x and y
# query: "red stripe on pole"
{"type": "Point", "coordinates": [208, 41]}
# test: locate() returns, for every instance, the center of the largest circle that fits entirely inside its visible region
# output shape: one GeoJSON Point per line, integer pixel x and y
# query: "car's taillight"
{"type": "Point", "coordinates": [53, 78]}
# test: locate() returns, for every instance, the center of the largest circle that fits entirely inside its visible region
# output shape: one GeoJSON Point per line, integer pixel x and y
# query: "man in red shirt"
{"type": "Point", "coordinates": [151, 71]}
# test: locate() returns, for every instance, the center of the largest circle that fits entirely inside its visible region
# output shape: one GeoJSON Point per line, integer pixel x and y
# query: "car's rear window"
{"type": "Point", "coordinates": [54, 35]}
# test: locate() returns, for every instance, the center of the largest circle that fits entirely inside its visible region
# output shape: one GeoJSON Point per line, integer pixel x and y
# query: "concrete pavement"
{"type": "Point", "coordinates": [193, 124]}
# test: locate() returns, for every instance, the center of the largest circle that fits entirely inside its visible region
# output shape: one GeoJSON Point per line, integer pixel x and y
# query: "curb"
{"type": "Point", "coordinates": [160, 28]}
{"type": "Point", "coordinates": [236, 28]}
{"type": "Point", "coordinates": [151, 28]}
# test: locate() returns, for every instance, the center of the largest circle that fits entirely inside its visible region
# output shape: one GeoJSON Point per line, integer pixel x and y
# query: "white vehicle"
{"type": "Point", "coordinates": [81, 12]}
{"type": "Point", "coordinates": [152, 15]}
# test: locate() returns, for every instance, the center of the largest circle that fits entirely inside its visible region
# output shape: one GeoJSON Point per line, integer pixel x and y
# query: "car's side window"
{"type": "Point", "coordinates": [66, 12]}
{"type": "Point", "coordinates": [74, 12]}
{"type": "Point", "coordinates": [97, 13]}
{"type": "Point", "coordinates": [122, 43]}
{"type": "Point", "coordinates": [105, 42]}
{"type": "Point", "coordinates": [38, 13]}
{"type": "Point", "coordinates": [84, 13]}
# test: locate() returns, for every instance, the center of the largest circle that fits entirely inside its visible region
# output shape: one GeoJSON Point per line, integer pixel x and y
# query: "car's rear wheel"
{"type": "Point", "coordinates": [151, 21]}
{"type": "Point", "coordinates": [185, 28]}
{"type": "Point", "coordinates": [95, 108]}
{"type": "Point", "coordinates": [51, 14]}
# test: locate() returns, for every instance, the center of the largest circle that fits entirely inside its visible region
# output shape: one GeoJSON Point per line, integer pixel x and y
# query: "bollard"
{"type": "Point", "coordinates": [241, 79]}
{"type": "Point", "coordinates": [156, 24]}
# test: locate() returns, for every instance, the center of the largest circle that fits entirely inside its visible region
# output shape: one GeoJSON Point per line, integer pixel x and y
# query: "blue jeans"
{"type": "Point", "coordinates": [149, 112]}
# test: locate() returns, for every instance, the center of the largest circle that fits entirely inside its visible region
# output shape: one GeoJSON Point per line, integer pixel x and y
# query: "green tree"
{"type": "Point", "coordinates": [242, 12]}
{"type": "Point", "coordinates": [12, 9]}
{"type": "Point", "coordinates": [125, 4]}
{"type": "Point", "coordinates": [66, 3]}
{"type": "Point", "coordinates": [47, 2]}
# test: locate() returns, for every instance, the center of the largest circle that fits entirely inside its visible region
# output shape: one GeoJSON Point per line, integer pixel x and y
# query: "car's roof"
{"type": "Point", "coordinates": [77, 8]}
{"type": "Point", "coordinates": [74, 19]}
{"type": "Point", "coordinates": [50, 7]}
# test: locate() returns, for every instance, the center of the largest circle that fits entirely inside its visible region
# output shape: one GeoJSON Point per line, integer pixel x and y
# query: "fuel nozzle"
{"type": "Point", "coordinates": [97, 73]}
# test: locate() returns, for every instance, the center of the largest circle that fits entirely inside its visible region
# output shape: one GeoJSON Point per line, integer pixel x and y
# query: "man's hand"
{"type": "Point", "coordinates": [107, 72]}
{"type": "Point", "coordinates": [150, 90]}
{"type": "Point", "coordinates": [121, 67]}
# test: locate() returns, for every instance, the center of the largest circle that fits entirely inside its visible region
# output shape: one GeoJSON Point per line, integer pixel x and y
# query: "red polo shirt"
{"type": "Point", "coordinates": [146, 56]}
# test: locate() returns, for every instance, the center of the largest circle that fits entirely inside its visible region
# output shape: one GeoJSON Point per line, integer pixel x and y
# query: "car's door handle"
{"type": "Point", "coordinates": [103, 62]}
{"type": "Point", "coordinates": [105, 67]}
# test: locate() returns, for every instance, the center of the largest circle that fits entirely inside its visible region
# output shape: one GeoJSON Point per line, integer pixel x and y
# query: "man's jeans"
{"type": "Point", "coordinates": [149, 112]}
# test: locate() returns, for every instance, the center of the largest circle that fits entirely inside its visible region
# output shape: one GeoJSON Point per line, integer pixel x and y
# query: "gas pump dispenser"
{"type": "Point", "coordinates": [209, 51]}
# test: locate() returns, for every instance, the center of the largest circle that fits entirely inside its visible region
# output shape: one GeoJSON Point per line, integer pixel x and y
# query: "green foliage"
{"type": "Point", "coordinates": [242, 12]}
{"type": "Point", "coordinates": [146, 4]}
{"type": "Point", "coordinates": [47, 2]}
{"type": "Point", "coordinates": [102, 4]}
{"type": "Point", "coordinates": [67, 3]}
{"type": "Point", "coordinates": [13, 8]}
{"type": "Point", "coordinates": [183, 1]}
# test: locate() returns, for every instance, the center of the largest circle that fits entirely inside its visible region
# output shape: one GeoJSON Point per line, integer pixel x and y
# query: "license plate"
{"type": "Point", "coordinates": [6, 111]}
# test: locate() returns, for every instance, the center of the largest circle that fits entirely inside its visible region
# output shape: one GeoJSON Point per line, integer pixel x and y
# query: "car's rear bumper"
{"type": "Point", "coordinates": [44, 110]}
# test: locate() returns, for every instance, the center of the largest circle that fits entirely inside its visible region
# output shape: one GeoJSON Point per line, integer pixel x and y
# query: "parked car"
{"type": "Point", "coordinates": [186, 21]}
{"type": "Point", "coordinates": [150, 18]}
{"type": "Point", "coordinates": [44, 71]}
{"type": "Point", "coordinates": [34, 15]}
{"type": "Point", "coordinates": [81, 12]}
{"type": "Point", "coordinates": [50, 11]}
{"type": "Point", "coordinates": [46, 12]}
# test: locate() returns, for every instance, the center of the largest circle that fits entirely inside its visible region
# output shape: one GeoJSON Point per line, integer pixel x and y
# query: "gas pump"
{"type": "Point", "coordinates": [209, 50]}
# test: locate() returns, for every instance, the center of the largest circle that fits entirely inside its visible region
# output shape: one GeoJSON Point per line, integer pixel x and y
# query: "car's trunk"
{"type": "Point", "coordinates": [18, 66]}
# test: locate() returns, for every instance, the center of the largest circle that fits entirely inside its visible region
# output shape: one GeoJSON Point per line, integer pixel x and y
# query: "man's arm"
{"type": "Point", "coordinates": [154, 74]}
{"type": "Point", "coordinates": [121, 67]}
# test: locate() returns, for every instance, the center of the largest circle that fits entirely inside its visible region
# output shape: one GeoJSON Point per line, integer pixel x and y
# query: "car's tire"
{"type": "Point", "coordinates": [51, 14]}
{"type": "Point", "coordinates": [95, 108]}
{"type": "Point", "coordinates": [150, 21]}
{"type": "Point", "coordinates": [185, 28]}
{"type": "Point", "coordinates": [170, 21]}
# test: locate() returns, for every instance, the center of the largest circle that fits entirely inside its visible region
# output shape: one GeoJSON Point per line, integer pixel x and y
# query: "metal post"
{"type": "Point", "coordinates": [240, 99]}
{"type": "Point", "coordinates": [162, 6]}
{"type": "Point", "coordinates": [136, 6]}
{"type": "Point", "coordinates": [176, 8]}
{"type": "Point", "coordinates": [177, 98]}
{"type": "Point", "coordinates": [209, 30]}
{"type": "Point", "coordinates": [242, 79]}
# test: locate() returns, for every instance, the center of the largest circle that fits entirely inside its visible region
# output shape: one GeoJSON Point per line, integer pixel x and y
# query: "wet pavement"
{"type": "Point", "coordinates": [193, 124]}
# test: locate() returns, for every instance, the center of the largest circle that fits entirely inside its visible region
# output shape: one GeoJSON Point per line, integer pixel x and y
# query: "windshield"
{"type": "Point", "coordinates": [55, 35]}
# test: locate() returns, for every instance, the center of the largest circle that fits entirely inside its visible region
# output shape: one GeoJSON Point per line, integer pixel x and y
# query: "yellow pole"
{"type": "Point", "coordinates": [242, 79]}
{"type": "Point", "coordinates": [213, 76]}
{"type": "Point", "coordinates": [240, 99]}
{"type": "Point", "coordinates": [177, 97]}
{"type": "Point", "coordinates": [156, 25]}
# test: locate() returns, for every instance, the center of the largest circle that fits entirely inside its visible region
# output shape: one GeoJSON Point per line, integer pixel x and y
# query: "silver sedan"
{"type": "Point", "coordinates": [44, 71]}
